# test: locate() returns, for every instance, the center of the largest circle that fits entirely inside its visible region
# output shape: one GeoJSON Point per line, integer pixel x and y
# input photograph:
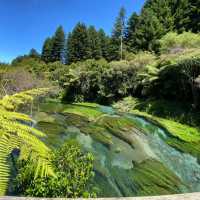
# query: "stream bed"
{"type": "Point", "coordinates": [131, 155]}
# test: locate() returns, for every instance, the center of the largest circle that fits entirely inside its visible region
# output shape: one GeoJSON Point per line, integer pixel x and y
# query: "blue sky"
{"type": "Point", "coordinates": [24, 24]}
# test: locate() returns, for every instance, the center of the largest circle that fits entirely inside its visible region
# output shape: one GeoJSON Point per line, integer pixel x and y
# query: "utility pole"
{"type": "Point", "coordinates": [122, 21]}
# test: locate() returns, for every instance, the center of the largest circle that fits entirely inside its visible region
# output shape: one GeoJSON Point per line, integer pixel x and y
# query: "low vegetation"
{"type": "Point", "coordinates": [72, 168]}
{"type": "Point", "coordinates": [17, 134]}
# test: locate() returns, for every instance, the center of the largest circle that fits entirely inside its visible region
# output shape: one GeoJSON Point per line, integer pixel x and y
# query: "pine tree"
{"type": "Point", "coordinates": [148, 31]}
{"type": "Point", "coordinates": [163, 10]}
{"type": "Point", "coordinates": [34, 54]}
{"type": "Point", "coordinates": [118, 34]}
{"type": "Point", "coordinates": [194, 15]}
{"type": "Point", "coordinates": [177, 15]}
{"type": "Point", "coordinates": [157, 18]}
{"type": "Point", "coordinates": [95, 43]}
{"type": "Point", "coordinates": [130, 32]}
{"type": "Point", "coordinates": [69, 50]}
{"type": "Point", "coordinates": [104, 43]}
{"type": "Point", "coordinates": [47, 50]}
{"type": "Point", "coordinates": [58, 45]}
{"type": "Point", "coordinates": [181, 15]}
{"type": "Point", "coordinates": [78, 44]}
{"type": "Point", "coordinates": [187, 15]}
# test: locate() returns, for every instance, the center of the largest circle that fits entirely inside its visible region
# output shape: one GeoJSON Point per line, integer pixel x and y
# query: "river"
{"type": "Point", "coordinates": [132, 157]}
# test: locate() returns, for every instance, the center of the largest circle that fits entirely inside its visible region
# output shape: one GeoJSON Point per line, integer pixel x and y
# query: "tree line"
{"type": "Point", "coordinates": [139, 32]}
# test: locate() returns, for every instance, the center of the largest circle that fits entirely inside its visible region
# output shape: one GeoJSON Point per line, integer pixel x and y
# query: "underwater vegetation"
{"type": "Point", "coordinates": [127, 148]}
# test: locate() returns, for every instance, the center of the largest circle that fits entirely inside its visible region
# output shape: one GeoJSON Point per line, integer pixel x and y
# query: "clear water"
{"type": "Point", "coordinates": [183, 165]}
{"type": "Point", "coordinates": [114, 165]}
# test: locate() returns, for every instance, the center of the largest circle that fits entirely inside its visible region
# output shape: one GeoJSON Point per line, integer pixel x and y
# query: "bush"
{"type": "Point", "coordinates": [34, 65]}
{"type": "Point", "coordinates": [173, 42]}
{"type": "Point", "coordinates": [16, 79]}
{"type": "Point", "coordinates": [118, 81]}
{"type": "Point", "coordinates": [141, 59]}
{"type": "Point", "coordinates": [99, 81]}
{"type": "Point", "coordinates": [174, 58]}
{"type": "Point", "coordinates": [83, 80]}
{"type": "Point", "coordinates": [73, 173]}
{"type": "Point", "coordinates": [177, 82]}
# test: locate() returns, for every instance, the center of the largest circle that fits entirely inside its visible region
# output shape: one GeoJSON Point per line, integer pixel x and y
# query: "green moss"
{"type": "Point", "coordinates": [42, 116]}
{"type": "Point", "coordinates": [152, 178]}
{"type": "Point", "coordinates": [87, 111]}
{"type": "Point", "coordinates": [175, 111]}
{"type": "Point", "coordinates": [118, 150]}
{"type": "Point", "coordinates": [192, 147]}
{"type": "Point", "coordinates": [182, 131]}
{"type": "Point", "coordinates": [115, 122]}
{"type": "Point", "coordinates": [51, 107]}
{"type": "Point", "coordinates": [181, 136]}
{"type": "Point", "coordinates": [106, 189]}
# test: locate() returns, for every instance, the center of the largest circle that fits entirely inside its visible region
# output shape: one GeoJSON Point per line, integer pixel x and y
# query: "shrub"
{"type": "Point", "coordinates": [176, 82]}
{"type": "Point", "coordinates": [17, 79]}
{"type": "Point", "coordinates": [99, 81]}
{"type": "Point", "coordinates": [141, 59]}
{"type": "Point", "coordinates": [118, 81]}
{"type": "Point", "coordinates": [174, 58]}
{"type": "Point", "coordinates": [83, 79]}
{"type": "Point", "coordinates": [73, 170]}
{"type": "Point", "coordinates": [16, 134]}
{"type": "Point", "coordinates": [173, 42]}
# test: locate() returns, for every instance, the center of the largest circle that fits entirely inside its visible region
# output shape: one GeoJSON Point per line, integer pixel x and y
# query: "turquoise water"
{"type": "Point", "coordinates": [132, 160]}
{"type": "Point", "coordinates": [183, 165]}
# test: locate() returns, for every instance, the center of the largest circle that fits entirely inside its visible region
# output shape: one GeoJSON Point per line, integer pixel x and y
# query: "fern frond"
{"type": "Point", "coordinates": [15, 133]}
{"type": "Point", "coordinates": [13, 102]}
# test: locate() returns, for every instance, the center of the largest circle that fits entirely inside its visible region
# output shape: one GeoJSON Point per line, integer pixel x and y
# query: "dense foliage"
{"type": "Point", "coordinates": [17, 134]}
{"type": "Point", "coordinates": [73, 171]}
{"type": "Point", "coordinates": [98, 81]}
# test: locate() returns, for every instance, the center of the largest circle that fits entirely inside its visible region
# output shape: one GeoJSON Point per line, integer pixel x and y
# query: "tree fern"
{"type": "Point", "coordinates": [15, 133]}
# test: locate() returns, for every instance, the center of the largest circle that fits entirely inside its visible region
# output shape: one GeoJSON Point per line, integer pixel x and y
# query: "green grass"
{"type": "Point", "coordinates": [182, 131]}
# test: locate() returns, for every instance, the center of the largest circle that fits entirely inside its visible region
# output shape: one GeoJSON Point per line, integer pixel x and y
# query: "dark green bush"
{"type": "Point", "coordinates": [177, 82]}
{"type": "Point", "coordinates": [99, 81]}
